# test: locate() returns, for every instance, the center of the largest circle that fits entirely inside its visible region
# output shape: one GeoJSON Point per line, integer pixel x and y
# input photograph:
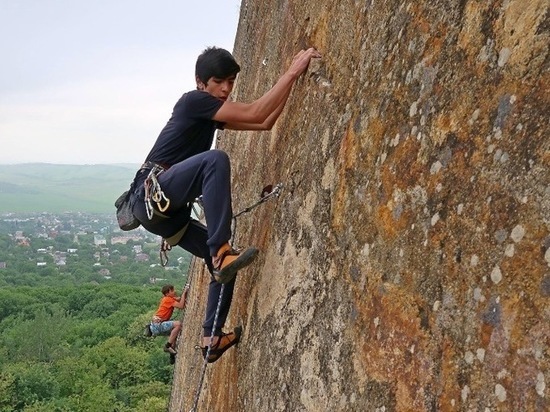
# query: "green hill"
{"type": "Point", "coordinates": [42, 187]}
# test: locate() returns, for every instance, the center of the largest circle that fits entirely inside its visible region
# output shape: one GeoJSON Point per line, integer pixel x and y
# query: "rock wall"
{"type": "Point", "coordinates": [406, 264]}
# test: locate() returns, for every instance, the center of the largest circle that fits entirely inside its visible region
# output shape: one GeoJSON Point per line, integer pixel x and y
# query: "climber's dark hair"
{"type": "Point", "coordinates": [215, 62]}
{"type": "Point", "coordinates": [167, 288]}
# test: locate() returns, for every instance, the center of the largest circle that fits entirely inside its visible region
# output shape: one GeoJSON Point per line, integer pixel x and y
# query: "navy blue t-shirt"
{"type": "Point", "coordinates": [189, 131]}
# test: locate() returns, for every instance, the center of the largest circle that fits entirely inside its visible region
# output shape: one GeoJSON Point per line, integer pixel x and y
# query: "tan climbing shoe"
{"type": "Point", "coordinates": [168, 348]}
{"type": "Point", "coordinates": [229, 261]}
{"type": "Point", "coordinates": [223, 342]}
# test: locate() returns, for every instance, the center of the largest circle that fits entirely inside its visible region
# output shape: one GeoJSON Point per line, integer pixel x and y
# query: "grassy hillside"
{"type": "Point", "coordinates": [41, 187]}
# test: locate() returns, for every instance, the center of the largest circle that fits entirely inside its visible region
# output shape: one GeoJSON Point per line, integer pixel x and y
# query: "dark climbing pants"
{"type": "Point", "coordinates": [196, 244]}
{"type": "Point", "coordinates": [207, 174]}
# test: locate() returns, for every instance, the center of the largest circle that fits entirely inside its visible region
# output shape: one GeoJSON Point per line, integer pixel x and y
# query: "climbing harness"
{"type": "Point", "coordinates": [154, 192]}
{"type": "Point", "coordinates": [268, 192]}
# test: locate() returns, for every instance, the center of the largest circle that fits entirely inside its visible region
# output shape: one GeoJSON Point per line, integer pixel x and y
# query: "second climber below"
{"type": "Point", "coordinates": [181, 166]}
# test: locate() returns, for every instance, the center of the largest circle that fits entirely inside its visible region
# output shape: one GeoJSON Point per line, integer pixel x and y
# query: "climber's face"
{"type": "Point", "coordinates": [220, 88]}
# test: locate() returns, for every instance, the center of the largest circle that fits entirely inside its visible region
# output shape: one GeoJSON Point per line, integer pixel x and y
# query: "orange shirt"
{"type": "Point", "coordinates": [166, 308]}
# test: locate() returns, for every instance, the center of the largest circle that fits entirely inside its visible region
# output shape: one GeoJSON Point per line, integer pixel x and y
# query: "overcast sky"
{"type": "Point", "coordinates": [89, 82]}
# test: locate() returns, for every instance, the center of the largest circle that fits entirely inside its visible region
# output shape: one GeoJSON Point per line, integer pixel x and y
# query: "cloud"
{"type": "Point", "coordinates": [95, 82]}
{"type": "Point", "coordinates": [112, 116]}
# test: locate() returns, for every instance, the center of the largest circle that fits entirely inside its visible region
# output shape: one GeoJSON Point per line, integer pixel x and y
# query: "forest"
{"type": "Point", "coordinates": [81, 348]}
{"type": "Point", "coordinates": [72, 339]}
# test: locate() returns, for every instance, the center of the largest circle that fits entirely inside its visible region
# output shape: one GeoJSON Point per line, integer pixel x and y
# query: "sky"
{"type": "Point", "coordinates": [94, 82]}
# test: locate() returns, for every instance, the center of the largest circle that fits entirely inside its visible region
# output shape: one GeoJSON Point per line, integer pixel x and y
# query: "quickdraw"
{"type": "Point", "coordinates": [165, 247]}
{"type": "Point", "coordinates": [154, 192]}
{"type": "Point", "coordinates": [268, 192]}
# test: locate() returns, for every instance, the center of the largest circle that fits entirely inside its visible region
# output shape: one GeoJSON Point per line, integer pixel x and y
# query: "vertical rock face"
{"type": "Point", "coordinates": [406, 264]}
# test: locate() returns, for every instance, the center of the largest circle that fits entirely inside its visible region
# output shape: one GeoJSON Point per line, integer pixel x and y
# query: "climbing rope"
{"type": "Point", "coordinates": [190, 274]}
{"type": "Point", "coordinates": [208, 349]}
{"type": "Point", "coordinates": [267, 193]}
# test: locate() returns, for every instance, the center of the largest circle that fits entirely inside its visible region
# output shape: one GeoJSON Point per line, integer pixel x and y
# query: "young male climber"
{"type": "Point", "coordinates": [161, 324]}
{"type": "Point", "coordinates": [181, 166]}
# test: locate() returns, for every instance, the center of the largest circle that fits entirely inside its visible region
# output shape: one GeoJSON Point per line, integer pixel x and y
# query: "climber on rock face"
{"type": "Point", "coordinates": [181, 166]}
{"type": "Point", "coordinates": [161, 323]}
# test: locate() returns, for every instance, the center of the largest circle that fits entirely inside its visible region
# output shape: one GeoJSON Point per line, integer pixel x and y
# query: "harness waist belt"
{"type": "Point", "coordinates": [151, 165]}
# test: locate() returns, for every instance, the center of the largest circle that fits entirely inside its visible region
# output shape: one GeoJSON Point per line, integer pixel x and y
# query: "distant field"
{"type": "Point", "coordinates": [41, 187]}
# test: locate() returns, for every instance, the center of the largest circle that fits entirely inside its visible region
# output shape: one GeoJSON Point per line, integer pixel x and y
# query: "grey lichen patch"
{"type": "Point", "coordinates": [504, 109]}
{"type": "Point", "coordinates": [496, 275]}
{"type": "Point", "coordinates": [540, 386]}
{"type": "Point", "coordinates": [503, 56]}
{"type": "Point", "coordinates": [500, 392]}
{"type": "Point", "coordinates": [329, 175]}
{"type": "Point", "coordinates": [518, 232]}
{"type": "Point", "coordinates": [478, 295]}
{"type": "Point", "coordinates": [501, 235]}
{"type": "Point", "coordinates": [474, 117]}
{"type": "Point", "coordinates": [480, 354]}
{"type": "Point", "coordinates": [493, 314]}
{"type": "Point", "coordinates": [510, 250]}
{"type": "Point", "coordinates": [436, 167]}
{"type": "Point", "coordinates": [413, 110]}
